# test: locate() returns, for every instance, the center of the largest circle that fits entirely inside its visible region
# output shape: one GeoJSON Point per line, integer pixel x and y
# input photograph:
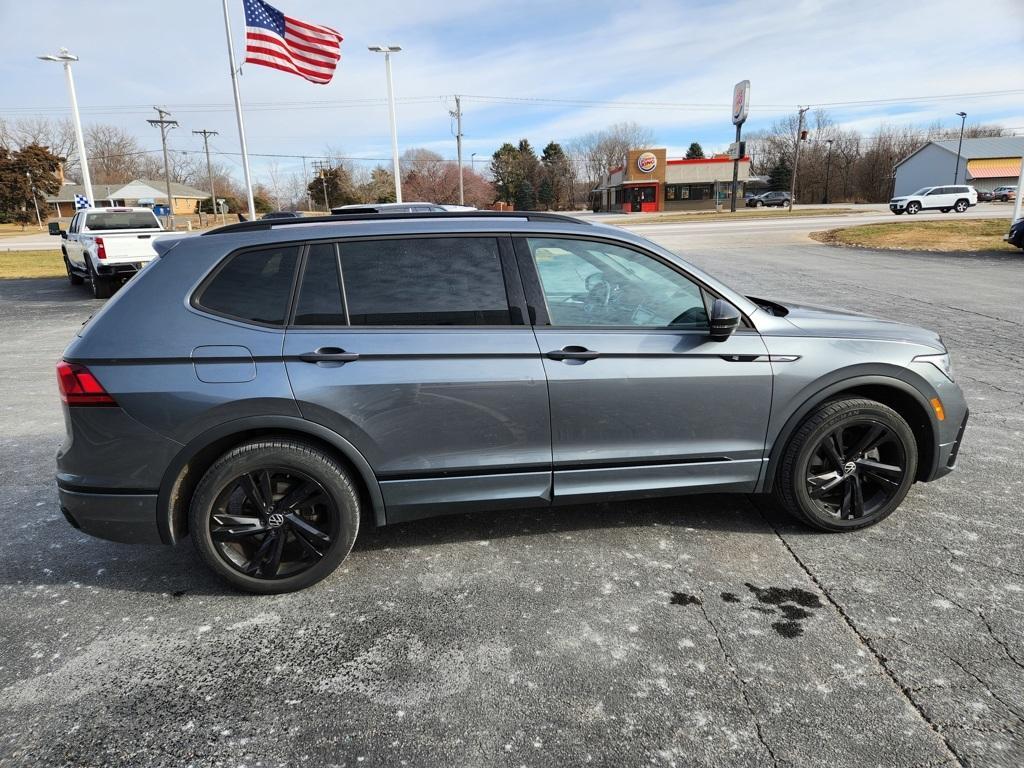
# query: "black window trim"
{"type": "Point", "coordinates": [293, 303]}
{"type": "Point", "coordinates": [537, 301]}
{"type": "Point", "coordinates": [197, 292]}
{"type": "Point", "coordinates": [514, 293]}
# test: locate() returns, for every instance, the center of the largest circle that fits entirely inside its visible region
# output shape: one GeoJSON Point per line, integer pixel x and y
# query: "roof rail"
{"type": "Point", "coordinates": [260, 224]}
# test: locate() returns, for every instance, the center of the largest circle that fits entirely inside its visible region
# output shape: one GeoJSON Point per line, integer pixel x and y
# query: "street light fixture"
{"type": "Point", "coordinates": [963, 119]}
{"type": "Point", "coordinates": [387, 50]}
{"type": "Point", "coordinates": [65, 57]}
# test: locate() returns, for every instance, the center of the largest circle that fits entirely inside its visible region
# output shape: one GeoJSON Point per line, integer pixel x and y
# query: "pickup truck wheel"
{"type": "Point", "coordinates": [102, 287]}
{"type": "Point", "coordinates": [73, 277]}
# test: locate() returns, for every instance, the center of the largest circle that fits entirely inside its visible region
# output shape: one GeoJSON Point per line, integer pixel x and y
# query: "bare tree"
{"type": "Point", "coordinates": [595, 153]}
{"type": "Point", "coordinates": [114, 155]}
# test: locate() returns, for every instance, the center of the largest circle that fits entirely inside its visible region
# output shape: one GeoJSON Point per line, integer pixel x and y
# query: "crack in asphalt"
{"type": "Point", "coordinates": [739, 683]}
{"type": "Point", "coordinates": [864, 639]}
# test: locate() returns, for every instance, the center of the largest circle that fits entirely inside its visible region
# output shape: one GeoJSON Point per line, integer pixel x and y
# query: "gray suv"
{"type": "Point", "coordinates": [269, 386]}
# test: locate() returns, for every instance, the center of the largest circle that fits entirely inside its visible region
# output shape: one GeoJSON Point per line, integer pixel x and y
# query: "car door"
{"type": "Point", "coordinates": [937, 198]}
{"type": "Point", "coordinates": [418, 352]}
{"type": "Point", "coordinates": [642, 400]}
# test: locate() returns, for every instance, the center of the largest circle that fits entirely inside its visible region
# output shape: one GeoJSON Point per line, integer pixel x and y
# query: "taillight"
{"type": "Point", "coordinates": [101, 249]}
{"type": "Point", "coordinates": [79, 387]}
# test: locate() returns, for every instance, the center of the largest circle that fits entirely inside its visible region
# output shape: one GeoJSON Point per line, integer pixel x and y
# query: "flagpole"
{"type": "Point", "coordinates": [238, 114]}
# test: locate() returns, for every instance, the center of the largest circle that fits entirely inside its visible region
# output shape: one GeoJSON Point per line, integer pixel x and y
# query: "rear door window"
{"type": "Point", "coordinates": [253, 286]}
{"type": "Point", "coordinates": [424, 282]}
{"type": "Point", "coordinates": [321, 300]}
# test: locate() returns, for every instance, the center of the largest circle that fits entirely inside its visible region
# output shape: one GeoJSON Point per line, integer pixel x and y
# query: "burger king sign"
{"type": "Point", "coordinates": [647, 162]}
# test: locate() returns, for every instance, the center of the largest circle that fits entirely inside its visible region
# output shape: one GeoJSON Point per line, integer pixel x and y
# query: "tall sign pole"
{"type": "Point", "coordinates": [740, 108]}
{"type": "Point", "coordinates": [238, 114]}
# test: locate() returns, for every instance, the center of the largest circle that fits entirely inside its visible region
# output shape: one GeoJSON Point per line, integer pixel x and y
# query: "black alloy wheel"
{"type": "Point", "coordinates": [856, 470]}
{"type": "Point", "coordinates": [275, 515]}
{"type": "Point", "coordinates": [273, 523]}
{"type": "Point", "coordinates": [849, 465]}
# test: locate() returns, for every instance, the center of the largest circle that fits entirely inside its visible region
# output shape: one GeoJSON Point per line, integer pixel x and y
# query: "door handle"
{"type": "Point", "coordinates": [329, 355]}
{"type": "Point", "coordinates": [573, 353]}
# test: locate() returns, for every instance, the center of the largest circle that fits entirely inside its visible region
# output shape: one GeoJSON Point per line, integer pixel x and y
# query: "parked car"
{"type": "Point", "coordinates": [945, 199]}
{"type": "Point", "coordinates": [984, 196]}
{"type": "Point", "coordinates": [107, 245]}
{"type": "Point", "coordinates": [389, 208]}
{"type": "Point", "coordinates": [1016, 234]}
{"type": "Point", "coordinates": [283, 215]}
{"type": "Point", "coordinates": [260, 386]}
{"type": "Point", "coordinates": [1005, 194]}
{"type": "Point", "coordinates": [780, 199]}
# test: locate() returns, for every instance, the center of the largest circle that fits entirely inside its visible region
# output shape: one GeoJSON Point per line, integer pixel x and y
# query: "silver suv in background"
{"type": "Point", "coordinates": [268, 387]}
{"type": "Point", "coordinates": [955, 198]}
{"type": "Point", "coordinates": [1005, 194]}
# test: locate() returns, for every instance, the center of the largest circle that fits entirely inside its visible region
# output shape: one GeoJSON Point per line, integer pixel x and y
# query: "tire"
{"type": "Point", "coordinates": [945, 210]}
{"type": "Point", "coordinates": [73, 277]}
{"type": "Point", "coordinates": [310, 537]}
{"type": "Point", "coordinates": [961, 205]}
{"type": "Point", "coordinates": [898, 213]}
{"type": "Point", "coordinates": [913, 207]}
{"type": "Point", "coordinates": [758, 204]}
{"type": "Point", "coordinates": [810, 483]}
{"type": "Point", "coordinates": [102, 287]}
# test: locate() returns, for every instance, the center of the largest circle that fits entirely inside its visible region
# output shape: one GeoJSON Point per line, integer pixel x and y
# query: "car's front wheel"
{"type": "Point", "coordinates": [73, 277]}
{"type": "Point", "coordinates": [849, 465]}
{"type": "Point", "coordinates": [274, 516]}
{"type": "Point", "coordinates": [913, 207]}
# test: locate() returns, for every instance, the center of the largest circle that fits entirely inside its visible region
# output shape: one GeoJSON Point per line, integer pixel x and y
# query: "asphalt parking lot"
{"type": "Point", "coordinates": [703, 630]}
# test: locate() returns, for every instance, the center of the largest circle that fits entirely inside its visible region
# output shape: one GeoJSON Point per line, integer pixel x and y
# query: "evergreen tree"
{"type": "Point", "coordinates": [546, 192]}
{"type": "Point", "coordinates": [526, 198]}
{"type": "Point", "coordinates": [781, 175]}
{"type": "Point", "coordinates": [506, 172]}
{"type": "Point", "coordinates": [558, 175]}
{"type": "Point", "coordinates": [15, 191]}
{"type": "Point", "coordinates": [695, 152]}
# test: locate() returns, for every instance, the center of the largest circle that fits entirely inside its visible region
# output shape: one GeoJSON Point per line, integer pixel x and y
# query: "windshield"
{"type": "Point", "coordinates": [108, 220]}
{"type": "Point", "coordinates": [924, 190]}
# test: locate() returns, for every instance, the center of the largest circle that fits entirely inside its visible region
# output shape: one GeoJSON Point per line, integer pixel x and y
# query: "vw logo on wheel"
{"type": "Point", "coordinates": [275, 520]}
{"type": "Point", "coordinates": [849, 468]}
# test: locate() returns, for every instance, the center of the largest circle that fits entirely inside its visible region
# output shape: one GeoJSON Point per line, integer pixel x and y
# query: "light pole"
{"type": "Point", "coordinates": [963, 119]}
{"type": "Point", "coordinates": [35, 202]}
{"type": "Point", "coordinates": [65, 58]}
{"type": "Point", "coordinates": [828, 168]}
{"type": "Point", "coordinates": [387, 50]}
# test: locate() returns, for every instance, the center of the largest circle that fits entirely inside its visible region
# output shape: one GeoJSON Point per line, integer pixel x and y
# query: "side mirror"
{"type": "Point", "coordinates": [54, 228]}
{"type": "Point", "coordinates": [725, 319]}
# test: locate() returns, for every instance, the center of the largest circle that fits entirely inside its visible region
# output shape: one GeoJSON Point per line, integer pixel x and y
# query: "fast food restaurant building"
{"type": "Point", "coordinates": [648, 181]}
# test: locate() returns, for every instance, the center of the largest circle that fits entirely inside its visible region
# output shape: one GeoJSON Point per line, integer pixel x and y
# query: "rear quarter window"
{"type": "Point", "coordinates": [253, 286]}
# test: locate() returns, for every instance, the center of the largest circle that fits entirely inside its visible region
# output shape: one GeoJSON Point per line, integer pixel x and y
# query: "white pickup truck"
{"type": "Point", "coordinates": [107, 245]}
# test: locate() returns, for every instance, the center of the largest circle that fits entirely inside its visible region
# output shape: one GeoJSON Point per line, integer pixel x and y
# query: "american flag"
{"type": "Point", "coordinates": [274, 40]}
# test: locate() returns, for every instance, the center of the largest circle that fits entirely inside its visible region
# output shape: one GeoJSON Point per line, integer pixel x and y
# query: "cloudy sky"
{"type": "Point", "coordinates": [545, 70]}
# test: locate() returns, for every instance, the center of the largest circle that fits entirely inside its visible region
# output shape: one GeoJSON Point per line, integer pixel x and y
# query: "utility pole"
{"type": "Point", "coordinates": [828, 168]}
{"type": "Point", "coordinates": [165, 125]}
{"type": "Point", "coordinates": [963, 120]}
{"type": "Point", "coordinates": [322, 166]}
{"type": "Point", "coordinates": [796, 157]}
{"type": "Point", "coordinates": [457, 114]}
{"type": "Point", "coordinates": [35, 202]}
{"type": "Point", "coordinates": [209, 169]}
{"type": "Point", "coordinates": [305, 184]}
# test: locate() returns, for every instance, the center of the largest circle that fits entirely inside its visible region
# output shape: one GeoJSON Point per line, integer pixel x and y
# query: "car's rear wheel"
{"type": "Point", "coordinates": [961, 206]}
{"type": "Point", "coordinates": [73, 277]}
{"type": "Point", "coordinates": [913, 207]}
{"type": "Point", "coordinates": [848, 466]}
{"type": "Point", "coordinates": [274, 516]}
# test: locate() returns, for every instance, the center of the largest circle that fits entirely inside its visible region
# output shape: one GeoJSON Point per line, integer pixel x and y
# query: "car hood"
{"type": "Point", "coordinates": [841, 323]}
{"type": "Point", "coordinates": [897, 200]}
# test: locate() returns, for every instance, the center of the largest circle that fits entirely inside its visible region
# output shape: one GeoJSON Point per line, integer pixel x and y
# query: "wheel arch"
{"type": "Point", "coordinates": [187, 468]}
{"type": "Point", "coordinates": [899, 395]}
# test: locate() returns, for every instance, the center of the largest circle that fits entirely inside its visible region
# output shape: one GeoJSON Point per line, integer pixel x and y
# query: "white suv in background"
{"type": "Point", "coordinates": [946, 199]}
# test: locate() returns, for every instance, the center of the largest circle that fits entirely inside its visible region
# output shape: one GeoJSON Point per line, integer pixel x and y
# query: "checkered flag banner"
{"type": "Point", "coordinates": [81, 201]}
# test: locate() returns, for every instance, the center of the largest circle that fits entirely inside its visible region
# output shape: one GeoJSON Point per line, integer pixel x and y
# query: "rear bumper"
{"type": "Point", "coordinates": [126, 517]}
{"type": "Point", "coordinates": [124, 268]}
